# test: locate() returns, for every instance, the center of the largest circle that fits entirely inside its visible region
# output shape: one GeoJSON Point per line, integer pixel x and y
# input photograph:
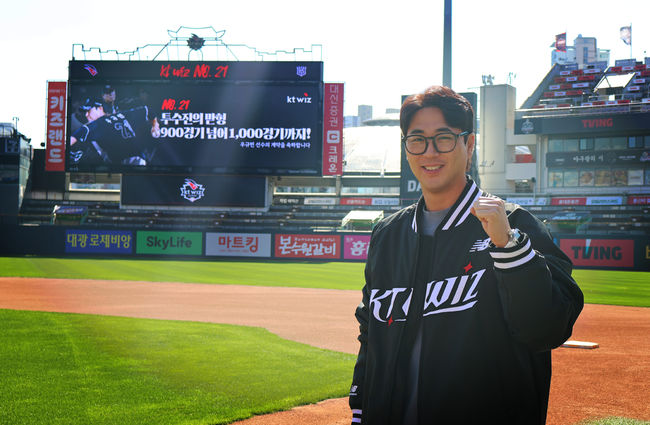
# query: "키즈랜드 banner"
{"type": "Point", "coordinates": [56, 104]}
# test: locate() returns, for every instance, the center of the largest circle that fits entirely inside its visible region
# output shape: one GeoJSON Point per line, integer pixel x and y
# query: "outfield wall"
{"type": "Point", "coordinates": [597, 252]}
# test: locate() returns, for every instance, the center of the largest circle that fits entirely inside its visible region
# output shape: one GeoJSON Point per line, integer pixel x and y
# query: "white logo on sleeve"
{"type": "Point", "coordinates": [480, 245]}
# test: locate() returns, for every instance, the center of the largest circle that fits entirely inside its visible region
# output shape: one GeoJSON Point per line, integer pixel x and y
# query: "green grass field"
{"type": "Point", "coordinates": [599, 286]}
{"type": "Point", "coordinates": [292, 274]}
{"type": "Point", "coordinates": [81, 369]}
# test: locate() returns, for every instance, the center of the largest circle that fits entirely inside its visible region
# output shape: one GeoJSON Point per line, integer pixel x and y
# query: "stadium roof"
{"type": "Point", "coordinates": [614, 81]}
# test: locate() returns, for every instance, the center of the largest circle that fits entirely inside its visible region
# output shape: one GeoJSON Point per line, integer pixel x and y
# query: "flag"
{"type": "Point", "coordinates": [626, 34]}
{"type": "Point", "coordinates": [560, 42]}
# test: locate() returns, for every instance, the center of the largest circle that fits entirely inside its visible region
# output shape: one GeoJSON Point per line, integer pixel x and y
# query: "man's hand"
{"type": "Point", "coordinates": [492, 213]}
{"type": "Point", "coordinates": [155, 128]}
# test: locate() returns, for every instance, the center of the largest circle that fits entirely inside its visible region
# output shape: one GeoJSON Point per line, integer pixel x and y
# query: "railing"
{"type": "Point", "coordinates": [564, 111]}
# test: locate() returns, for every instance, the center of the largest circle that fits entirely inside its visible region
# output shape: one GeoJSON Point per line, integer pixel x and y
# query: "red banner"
{"type": "Point", "coordinates": [599, 252]}
{"type": "Point", "coordinates": [56, 103]}
{"type": "Point", "coordinates": [356, 201]}
{"type": "Point", "coordinates": [308, 246]}
{"type": "Point", "coordinates": [569, 201]}
{"type": "Point", "coordinates": [333, 130]}
{"type": "Point", "coordinates": [638, 200]}
{"type": "Point", "coordinates": [355, 247]}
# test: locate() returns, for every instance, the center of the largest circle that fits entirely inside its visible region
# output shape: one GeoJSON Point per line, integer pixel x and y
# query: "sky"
{"type": "Point", "coordinates": [379, 49]}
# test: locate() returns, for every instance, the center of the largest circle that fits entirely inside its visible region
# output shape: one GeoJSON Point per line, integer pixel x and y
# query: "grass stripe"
{"type": "Point", "coordinates": [82, 369]}
{"type": "Point", "coordinates": [628, 288]}
{"type": "Point", "coordinates": [292, 274]}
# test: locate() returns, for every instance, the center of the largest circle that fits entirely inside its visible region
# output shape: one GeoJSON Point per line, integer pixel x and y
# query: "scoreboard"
{"type": "Point", "coordinates": [235, 118]}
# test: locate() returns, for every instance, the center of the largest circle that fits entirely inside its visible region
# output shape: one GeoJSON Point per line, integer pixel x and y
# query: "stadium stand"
{"type": "Point", "coordinates": [594, 87]}
{"type": "Point", "coordinates": [278, 217]}
{"type": "Point", "coordinates": [606, 219]}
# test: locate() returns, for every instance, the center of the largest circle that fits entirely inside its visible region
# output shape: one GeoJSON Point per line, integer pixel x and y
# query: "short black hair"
{"type": "Point", "coordinates": [456, 110]}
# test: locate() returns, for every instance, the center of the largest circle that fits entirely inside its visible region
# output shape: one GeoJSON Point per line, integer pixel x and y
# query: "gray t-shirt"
{"type": "Point", "coordinates": [430, 222]}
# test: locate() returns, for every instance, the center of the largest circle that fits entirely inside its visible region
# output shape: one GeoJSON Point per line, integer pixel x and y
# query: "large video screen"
{"type": "Point", "coordinates": [260, 118]}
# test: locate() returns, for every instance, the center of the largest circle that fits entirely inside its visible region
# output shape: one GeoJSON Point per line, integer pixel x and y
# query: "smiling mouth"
{"type": "Point", "coordinates": [432, 168]}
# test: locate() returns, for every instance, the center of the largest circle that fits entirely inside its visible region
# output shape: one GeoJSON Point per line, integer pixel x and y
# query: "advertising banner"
{"type": "Point", "coordinates": [238, 244]}
{"type": "Point", "coordinates": [599, 252]}
{"type": "Point", "coordinates": [370, 201]}
{"type": "Point", "coordinates": [98, 242]}
{"type": "Point", "coordinates": [569, 201]}
{"type": "Point", "coordinates": [385, 201]}
{"type": "Point", "coordinates": [56, 103]}
{"type": "Point", "coordinates": [356, 201]}
{"type": "Point", "coordinates": [288, 201]}
{"type": "Point", "coordinates": [355, 247]}
{"type": "Point", "coordinates": [321, 201]}
{"type": "Point", "coordinates": [308, 246]}
{"type": "Point", "coordinates": [638, 200]}
{"type": "Point", "coordinates": [169, 243]}
{"type": "Point", "coordinates": [582, 125]}
{"type": "Point", "coordinates": [605, 200]}
{"type": "Point", "coordinates": [527, 201]}
{"type": "Point", "coordinates": [572, 159]}
{"type": "Point", "coordinates": [333, 130]}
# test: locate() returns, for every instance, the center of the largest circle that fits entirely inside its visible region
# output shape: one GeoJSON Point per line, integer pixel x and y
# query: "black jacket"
{"type": "Point", "coordinates": [488, 316]}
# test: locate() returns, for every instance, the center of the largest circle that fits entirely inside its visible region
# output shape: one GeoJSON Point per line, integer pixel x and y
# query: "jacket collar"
{"type": "Point", "coordinates": [458, 213]}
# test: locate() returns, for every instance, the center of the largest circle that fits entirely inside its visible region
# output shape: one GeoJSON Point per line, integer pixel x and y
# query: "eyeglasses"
{"type": "Point", "coordinates": [443, 142]}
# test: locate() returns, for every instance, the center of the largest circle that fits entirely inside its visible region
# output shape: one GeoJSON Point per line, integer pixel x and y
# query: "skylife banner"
{"type": "Point", "coordinates": [56, 104]}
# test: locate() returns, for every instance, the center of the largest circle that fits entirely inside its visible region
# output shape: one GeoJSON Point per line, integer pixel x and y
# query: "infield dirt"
{"type": "Point", "coordinates": [613, 380]}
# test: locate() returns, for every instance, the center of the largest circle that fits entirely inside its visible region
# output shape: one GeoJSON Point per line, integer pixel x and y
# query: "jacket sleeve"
{"type": "Point", "coordinates": [541, 301]}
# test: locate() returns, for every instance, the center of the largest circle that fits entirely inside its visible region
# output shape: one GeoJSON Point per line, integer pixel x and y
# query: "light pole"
{"type": "Point", "coordinates": [446, 51]}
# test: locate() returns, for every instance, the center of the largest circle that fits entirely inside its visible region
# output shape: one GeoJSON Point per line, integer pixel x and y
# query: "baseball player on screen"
{"type": "Point", "coordinates": [120, 138]}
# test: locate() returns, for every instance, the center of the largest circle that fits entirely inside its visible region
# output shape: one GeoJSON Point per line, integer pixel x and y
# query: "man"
{"type": "Point", "coordinates": [91, 110]}
{"type": "Point", "coordinates": [122, 138]}
{"type": "Point", "coordinates": [110, 100]}
{"type": "Point", "coordinates": [465, 295]}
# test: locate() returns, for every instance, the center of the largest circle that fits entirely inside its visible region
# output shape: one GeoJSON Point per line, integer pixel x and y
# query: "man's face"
{"type": "Point", "coordinates": [439, 173]}
{"type": "Point", "coordinates": [109, 97]}
{"type": "Point", "coordinates": [94, 113]}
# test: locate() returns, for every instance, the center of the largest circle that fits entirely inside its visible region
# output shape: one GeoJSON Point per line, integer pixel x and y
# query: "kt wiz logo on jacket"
{"type": "Point", "coordinates": [456, 293]}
